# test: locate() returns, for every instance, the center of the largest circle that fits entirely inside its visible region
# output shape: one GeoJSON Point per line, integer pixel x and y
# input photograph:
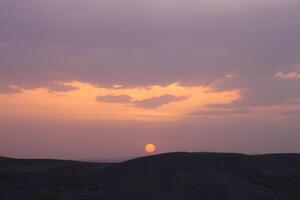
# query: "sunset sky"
{"type": "Point", "coordinates": [99, 79]}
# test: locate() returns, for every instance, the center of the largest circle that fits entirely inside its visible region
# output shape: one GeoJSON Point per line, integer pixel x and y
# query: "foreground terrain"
{"type": "Point", "coordinates": [172, 176]}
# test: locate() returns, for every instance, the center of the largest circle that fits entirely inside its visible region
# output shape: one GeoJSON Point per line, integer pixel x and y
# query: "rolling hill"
{"type": "Point", "coordinates": [171, 176]}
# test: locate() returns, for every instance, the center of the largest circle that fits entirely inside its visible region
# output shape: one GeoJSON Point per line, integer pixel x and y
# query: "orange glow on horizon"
{"type": "Point", "coordinates": [170, 102]}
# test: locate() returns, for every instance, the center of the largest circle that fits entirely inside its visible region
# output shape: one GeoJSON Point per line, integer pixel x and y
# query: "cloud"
{"type": "Point", "coordinates": [60, 87]}
{"type": "Point", "coordinates": [221, 112]}
{"type": "Point", "coordinates": [150, 45]}
{"type": "Point", "coordinates": [259, 90]}
{"type": "Point", "coordinates": [52, 87]}
{"type": "Point", "coordinates": [156, 102]}
{"type": "Point", "coordinates": [114, 99]}
{"type": "Point", "coordinates": [289, 75]}
{"type": "Point", "coordinates": [9, 89]}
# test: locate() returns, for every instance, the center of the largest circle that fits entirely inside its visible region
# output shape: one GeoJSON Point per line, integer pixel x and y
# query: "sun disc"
{"type": "Point", "coordinates": [150, 148]}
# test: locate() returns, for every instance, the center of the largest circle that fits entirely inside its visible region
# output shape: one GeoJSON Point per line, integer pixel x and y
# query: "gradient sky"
{"type": "Point", "coordinates": [98, 79]}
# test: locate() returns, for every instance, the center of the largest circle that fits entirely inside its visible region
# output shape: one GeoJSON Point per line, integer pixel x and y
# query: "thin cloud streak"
{"type": "Point", "coordinates": [156, 102]}
{"type": "Point", "coordinates": [114, 99]}
{"type": "Point", "coordinates": [221, 112]}
{"type": "Point", "coordinates": [289, 75]}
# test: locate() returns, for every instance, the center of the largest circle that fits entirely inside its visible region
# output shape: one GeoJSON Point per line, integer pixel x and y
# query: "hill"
{"type": "Point", "coordinates": [172, 176]}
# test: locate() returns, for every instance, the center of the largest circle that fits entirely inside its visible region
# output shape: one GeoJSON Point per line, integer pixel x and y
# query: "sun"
{"type": "Point", "coordinates": [150, 148]}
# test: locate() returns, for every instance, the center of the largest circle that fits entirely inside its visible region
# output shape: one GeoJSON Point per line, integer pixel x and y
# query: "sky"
{"type": "Point", "coordinates": [99, 79]}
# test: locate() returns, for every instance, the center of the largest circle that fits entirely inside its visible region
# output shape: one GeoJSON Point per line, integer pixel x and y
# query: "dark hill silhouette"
{"type": "Point", "coordinates": [172, 176]}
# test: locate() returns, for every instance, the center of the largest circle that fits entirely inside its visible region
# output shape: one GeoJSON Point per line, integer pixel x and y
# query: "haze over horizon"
{"type": "Point", "coordinates": [100, 79]}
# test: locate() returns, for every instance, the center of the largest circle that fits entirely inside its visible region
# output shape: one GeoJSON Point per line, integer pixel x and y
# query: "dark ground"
{"type": "Point", "coordinates": [173, 176]}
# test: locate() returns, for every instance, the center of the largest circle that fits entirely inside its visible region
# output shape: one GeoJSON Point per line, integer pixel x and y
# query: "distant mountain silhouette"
{"type": "Point", "coordinates": [172, 176]}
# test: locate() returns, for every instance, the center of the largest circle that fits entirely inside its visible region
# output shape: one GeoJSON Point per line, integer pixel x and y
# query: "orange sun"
{"type": "Point", "coordinates": [150, 148]}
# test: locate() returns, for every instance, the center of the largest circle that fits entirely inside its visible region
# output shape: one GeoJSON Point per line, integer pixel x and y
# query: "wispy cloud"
{"type": "Point", "coordinates": [156, 102]}
{"type": "Point", "coordinates": [114, 99]}
{"type": "Point", "coordinates": [221, 112]}
{"type": "Point", "coordinates": [10, 89]}
{"type": "Point", "coordinates": [60, 87]}
{"type": "Point", "coordinates": [289, 75]}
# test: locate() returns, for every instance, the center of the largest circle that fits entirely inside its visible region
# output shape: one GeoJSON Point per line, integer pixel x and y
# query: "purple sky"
{"type": "Point", "coordinates": [136, 44]}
